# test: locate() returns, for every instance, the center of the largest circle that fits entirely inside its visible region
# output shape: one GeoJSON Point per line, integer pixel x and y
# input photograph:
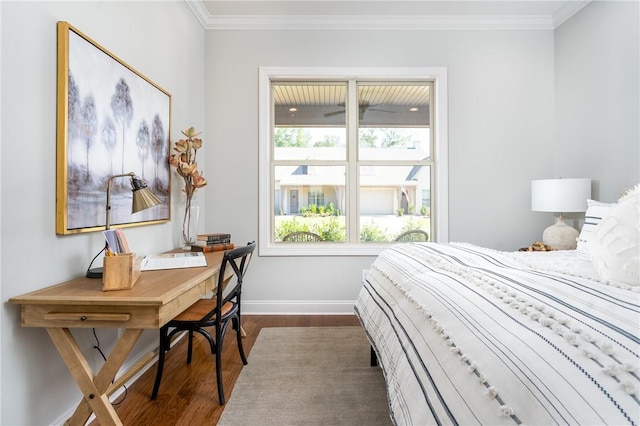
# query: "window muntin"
{"type": "Point", "coordinates": [438, 196]}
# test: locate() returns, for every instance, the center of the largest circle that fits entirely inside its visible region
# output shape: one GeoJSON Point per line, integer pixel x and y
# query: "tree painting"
{"type": "Point", "coordinates": [88, 128]}
{"type": "Point", "coordinates": [104, 98]}
{"type": "Point", "coordinates": [143, 141]}
{"type": "Point", "coordinates": [157, 140]}
{"type": "Point", "coordinates": [75, 174]}
{"type": "Point", "coordinates": [122, 108]}
{"type": "Point", "coordinates": [74, 106]}
{"type": "Point", "coordinates": [109, 140]}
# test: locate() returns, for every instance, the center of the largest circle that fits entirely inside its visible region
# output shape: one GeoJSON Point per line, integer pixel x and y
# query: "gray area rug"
{"type": "Point", "coordinates": [309, 376]}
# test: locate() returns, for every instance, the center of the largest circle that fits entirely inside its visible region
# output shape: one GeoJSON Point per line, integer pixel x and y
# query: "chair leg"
{"type": "Point", "coordinates": [239, 332]}
{"type": "Point", "coordinates": [219, 337]}
{"type": "Point", "coordinates": [162, 348]}
{"type": "Point", "coordinates": [190, 347]}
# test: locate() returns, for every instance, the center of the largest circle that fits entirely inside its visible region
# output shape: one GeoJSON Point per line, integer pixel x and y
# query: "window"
{"type": "Point", "coordinates": [316, 197]}
{"type": "Point", "coordinates": [356, 160]}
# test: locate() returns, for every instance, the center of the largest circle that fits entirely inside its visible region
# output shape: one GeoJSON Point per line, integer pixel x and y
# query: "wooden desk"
{"type": "Point", "coordinates": [157, 297]}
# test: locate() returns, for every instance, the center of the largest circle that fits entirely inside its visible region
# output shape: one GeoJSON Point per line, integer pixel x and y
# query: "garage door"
{"type": "Point", "coordinates": [377, 201]}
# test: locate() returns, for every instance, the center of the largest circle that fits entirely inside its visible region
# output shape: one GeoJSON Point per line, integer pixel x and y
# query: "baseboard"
{"type": "Point", "coordinates": [297, 307]}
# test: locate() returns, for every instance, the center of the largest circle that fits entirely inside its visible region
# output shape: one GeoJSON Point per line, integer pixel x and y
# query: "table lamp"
{"type": "Point", "coordinates": [142, 199]}
{"type": "Point", "coordinates": [560, 196]}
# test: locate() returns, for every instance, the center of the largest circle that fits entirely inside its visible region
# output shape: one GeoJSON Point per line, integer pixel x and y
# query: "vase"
{"type": "Point", "coordinates": [190, 223]}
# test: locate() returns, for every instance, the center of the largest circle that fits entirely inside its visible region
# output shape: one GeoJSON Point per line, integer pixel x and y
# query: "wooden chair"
{"type": "Point", "coordinates": [413, 236]}
{"type": "Point", "coordinates": [218, 312]}
{"type": "Point", "coordinates": [302, 237]}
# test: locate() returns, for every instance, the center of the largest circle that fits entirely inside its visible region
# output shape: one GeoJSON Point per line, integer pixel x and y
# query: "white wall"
{"type": "Point", "coordinates": [502, 89]}
{"type": "Point", "coordinates": [597, 91]}
{"type": "Point", "coordinates": [161, 40]}
{"type": "Point", "coordinates": [500, 137]}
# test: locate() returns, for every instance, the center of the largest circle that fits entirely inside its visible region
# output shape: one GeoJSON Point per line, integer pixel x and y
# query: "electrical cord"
{"type": "Point", "coordinates": [94, 258]}
{"type": "Point", "coordinates": [97, 347]}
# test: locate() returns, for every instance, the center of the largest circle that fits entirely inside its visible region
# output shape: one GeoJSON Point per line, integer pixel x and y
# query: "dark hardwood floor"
{"type": "Point", "coordinates": [188, 394]}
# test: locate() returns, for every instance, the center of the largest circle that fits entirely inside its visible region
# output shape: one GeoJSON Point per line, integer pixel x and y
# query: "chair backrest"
{"type": "Point", "coordinates": [413, 235]}
{"type": "Point", "coordinates": [302, 237]}
{"type": "Point", "coordinates": [238, 259]}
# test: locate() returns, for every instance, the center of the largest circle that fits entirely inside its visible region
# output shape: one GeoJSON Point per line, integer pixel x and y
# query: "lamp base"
{"type": "Point", "coordinates": [560, 236]}
{"type": "Point", "coordinates": [94, 273]}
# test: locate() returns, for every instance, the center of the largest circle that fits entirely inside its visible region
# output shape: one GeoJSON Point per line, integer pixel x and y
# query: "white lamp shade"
{"type": "Point", "coordinates": [560, 195]}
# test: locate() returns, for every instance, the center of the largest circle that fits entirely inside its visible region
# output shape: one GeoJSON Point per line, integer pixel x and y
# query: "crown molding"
{"type": "Point", "coordinates": [377, 22]}
{"type": "Point", "coordinates": [343, 22]}
{"type": "Point", "coordinates": [567, 11]}
{"type": "Point", "coordinates": [200, 11]}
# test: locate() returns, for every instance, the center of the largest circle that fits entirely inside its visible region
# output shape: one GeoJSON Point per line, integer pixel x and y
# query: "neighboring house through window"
{"type": "Point", "coordinates": [357, 156]}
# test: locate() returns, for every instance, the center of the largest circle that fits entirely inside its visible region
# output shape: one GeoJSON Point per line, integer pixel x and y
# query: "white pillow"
{"type": "Point", "coordinates": [596, 211]}
{"type": "Point", "coordinates": [615, 246]}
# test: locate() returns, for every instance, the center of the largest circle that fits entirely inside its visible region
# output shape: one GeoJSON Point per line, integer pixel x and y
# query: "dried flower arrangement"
{"type": "Point", "coordinates": [184, 160]}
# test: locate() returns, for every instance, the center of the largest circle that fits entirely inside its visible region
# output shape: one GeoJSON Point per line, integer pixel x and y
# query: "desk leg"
{"type": "Point", "coordinates": [94, 390]}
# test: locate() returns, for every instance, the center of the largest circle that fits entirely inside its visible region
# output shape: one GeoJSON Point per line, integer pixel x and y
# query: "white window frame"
{"type": "Point", "coordinates": [440, 188]}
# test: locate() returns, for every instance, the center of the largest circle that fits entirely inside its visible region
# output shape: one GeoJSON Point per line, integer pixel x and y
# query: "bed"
{"type": "Point", "coordinates": [470, 335]}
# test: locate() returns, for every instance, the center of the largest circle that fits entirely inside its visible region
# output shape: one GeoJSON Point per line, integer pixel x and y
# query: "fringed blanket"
{"type": "Point", "coordinates": [468, 335]}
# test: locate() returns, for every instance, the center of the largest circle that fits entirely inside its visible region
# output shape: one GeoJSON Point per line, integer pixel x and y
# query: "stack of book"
{"type": "Point", "coordinates": [213, 242]}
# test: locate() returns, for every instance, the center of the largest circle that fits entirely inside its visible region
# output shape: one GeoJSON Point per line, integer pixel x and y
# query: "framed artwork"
{"type": "Point", "coordinates": [110, 120]}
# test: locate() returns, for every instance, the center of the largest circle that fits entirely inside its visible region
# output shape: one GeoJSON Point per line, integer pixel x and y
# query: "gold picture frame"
{"type": "Point", "coordinates": [110, 120]}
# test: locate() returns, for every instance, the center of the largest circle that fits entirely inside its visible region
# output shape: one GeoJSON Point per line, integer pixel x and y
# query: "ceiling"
{"type": "Point", "coordinates": [336, 94]}
{"type": "Point", "coordinates": [323, 104]}
{"type": "Point", "coordinates": [384, 14]}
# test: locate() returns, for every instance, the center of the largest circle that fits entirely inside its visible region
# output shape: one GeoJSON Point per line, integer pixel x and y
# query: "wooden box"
{"type": "Point", "coordinates": [120, 272]}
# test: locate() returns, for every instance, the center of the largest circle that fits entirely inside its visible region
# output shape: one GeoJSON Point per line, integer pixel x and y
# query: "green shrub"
{"type": "Point", "coordinates": [414, 223]}
{"type": "Point", "coordinates": [288, 227]}
{"type": "Point", "coordinates": [372, 233]}
{"type": "Point", "coordinates": [332, 230]}
{"type": "Point", "coordinates": [329, 209]}
{"type": "Point", "coordinates": [329, 229]}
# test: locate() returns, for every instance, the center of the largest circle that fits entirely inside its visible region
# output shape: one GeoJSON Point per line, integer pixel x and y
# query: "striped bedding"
{"type": "Point", "coordinates": [469, 335]}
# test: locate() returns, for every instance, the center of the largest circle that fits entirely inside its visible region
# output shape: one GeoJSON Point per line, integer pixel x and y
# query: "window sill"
{"type": "Point", "coordinates": [322, 249]}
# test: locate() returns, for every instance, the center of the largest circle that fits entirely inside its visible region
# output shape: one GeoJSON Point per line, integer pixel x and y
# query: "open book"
{"type": "Point", "coordinates": [152, 262]}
